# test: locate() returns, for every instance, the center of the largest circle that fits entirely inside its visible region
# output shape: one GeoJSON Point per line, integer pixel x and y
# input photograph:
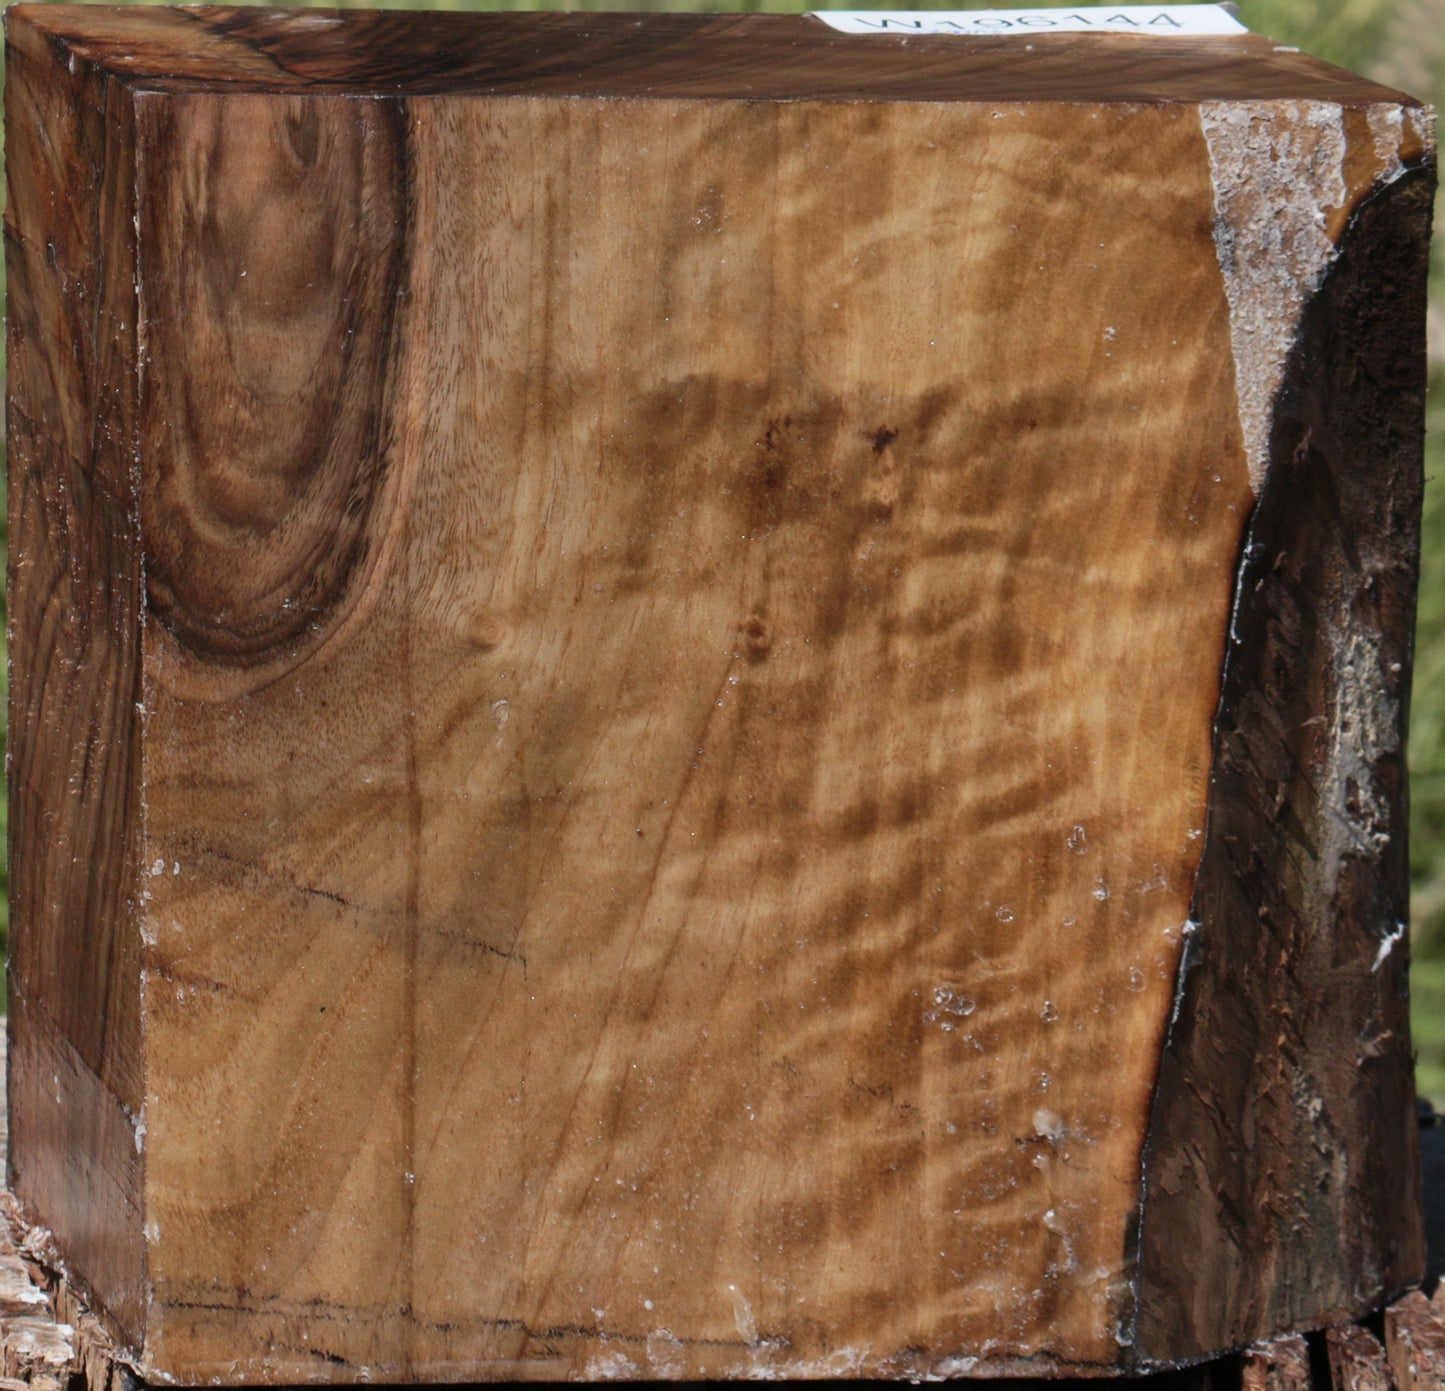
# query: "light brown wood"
{"type": "Point", "coordinates": [41, 1314]}
{"type": "Point", "coordinates": [49, 1340]}
{"type": "Point", "coordinates": [676, 734]}
{"type": "Point", "coordinates": [722, 864]}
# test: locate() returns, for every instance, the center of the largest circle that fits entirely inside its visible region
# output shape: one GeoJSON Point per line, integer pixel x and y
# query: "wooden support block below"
{"type": "Point", "coordinates": [1415, 1344]}
{"type": "Point", "coordinates": [1357, 1360]}
{"type": "Point", "coordinates": [1280, 1365]}
{"type": "Point", "coordinates": [696, 697]}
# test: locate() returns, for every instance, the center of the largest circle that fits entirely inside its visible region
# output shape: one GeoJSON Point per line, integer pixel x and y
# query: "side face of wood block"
{"type": "Point", "coordinates": [721, 736]}
{"type": "Point", "coordinates": [76, 1073]}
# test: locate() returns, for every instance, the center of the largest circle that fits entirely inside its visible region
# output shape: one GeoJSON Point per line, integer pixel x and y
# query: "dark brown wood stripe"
{"type": "Point", "coordinates": [75, 600]}
{"type": "Point", "coordinates": [1292, 1035]}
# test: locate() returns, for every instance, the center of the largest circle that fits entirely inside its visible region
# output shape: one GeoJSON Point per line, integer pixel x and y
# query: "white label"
{"type": "Point", "coordinates": [1179, 20]}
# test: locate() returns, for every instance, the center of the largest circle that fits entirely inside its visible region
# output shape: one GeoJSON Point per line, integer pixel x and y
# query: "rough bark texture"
{"type": "Point", "coordinates": [1291, 1036]}
{"type": "Point", "coordinates": [677, 580]}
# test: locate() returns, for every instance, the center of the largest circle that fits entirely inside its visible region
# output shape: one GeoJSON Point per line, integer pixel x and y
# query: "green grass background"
{"type": "Point", "coordinates": [1402, 43]}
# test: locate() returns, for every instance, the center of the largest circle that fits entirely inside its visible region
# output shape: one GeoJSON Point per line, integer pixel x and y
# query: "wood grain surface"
{"type": "Point", "coordinates": [75, 641]}
{"type": "Point", "coordinates": [723, 57]}
{"type": "Point", "coordinates": [276, 282]}
{"type": "Point", "coordinates": [50, 1340]}
{"type": "Point", "coordinates": [680, 685]}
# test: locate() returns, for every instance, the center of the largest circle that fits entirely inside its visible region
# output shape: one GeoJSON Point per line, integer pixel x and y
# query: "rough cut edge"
{"type": "Point", "coordinates": [38, 1351]}
{"type": "Point", "coordinates": [1275, 167]}
{"type": "Point", "coordinates": [1278, 171]}
{"type": "Point", "coordinates": [1307, 718]}
{"type": "Point", "coordinates": [49, 1340]}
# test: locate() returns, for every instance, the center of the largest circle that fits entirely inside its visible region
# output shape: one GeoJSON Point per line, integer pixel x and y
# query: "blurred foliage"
{"type": "Point", "coordinates": [1401, 43]}
{"type": "Point", "coordinates": [1427, 1005]}
{"type": "Point", "coordinates": [1427, 715]}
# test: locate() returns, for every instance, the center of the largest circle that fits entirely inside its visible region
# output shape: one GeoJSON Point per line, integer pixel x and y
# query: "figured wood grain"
{"type": "Point", "coordinates": [694, 733]}
{"type": "Point", "coordinates": [278, 279]}
{"type": "Point", "coordinates": [74, 604]}
{"type": "Point", "coordinates": [681, 666]}
{"type": "Point", "coordinates": [49, 1340]}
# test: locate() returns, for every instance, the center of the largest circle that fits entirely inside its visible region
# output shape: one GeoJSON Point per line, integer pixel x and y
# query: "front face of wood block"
{"type": "Point", "coordinates": [681, 660]}
{"type": "Point", "coordinates": [734, 905]}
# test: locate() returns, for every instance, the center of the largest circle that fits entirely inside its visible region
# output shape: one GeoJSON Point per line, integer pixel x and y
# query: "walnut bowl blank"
{"type": "Point", "coordinates": [700, 697]}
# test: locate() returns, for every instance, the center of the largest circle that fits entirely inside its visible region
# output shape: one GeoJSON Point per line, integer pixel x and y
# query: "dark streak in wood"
{"type": "Point", "coordinates": [74, 587]}
{"type": "Point", "coordinates": [274, 239]}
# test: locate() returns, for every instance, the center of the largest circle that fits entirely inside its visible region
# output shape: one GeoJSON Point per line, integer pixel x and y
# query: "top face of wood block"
{"type": "Point", "coordinates": [742, 57]}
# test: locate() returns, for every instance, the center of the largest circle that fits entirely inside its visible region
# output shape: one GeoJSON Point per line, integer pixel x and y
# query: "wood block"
{"type": "Point", "coordinates": [695, 696]}
{"type": "Point", "coordinates": [1357, 1360]}
{"type": "Point", "coordinates": [1281, 1365]}
{"type": "Point", "coordinates": [1415, 1344]}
